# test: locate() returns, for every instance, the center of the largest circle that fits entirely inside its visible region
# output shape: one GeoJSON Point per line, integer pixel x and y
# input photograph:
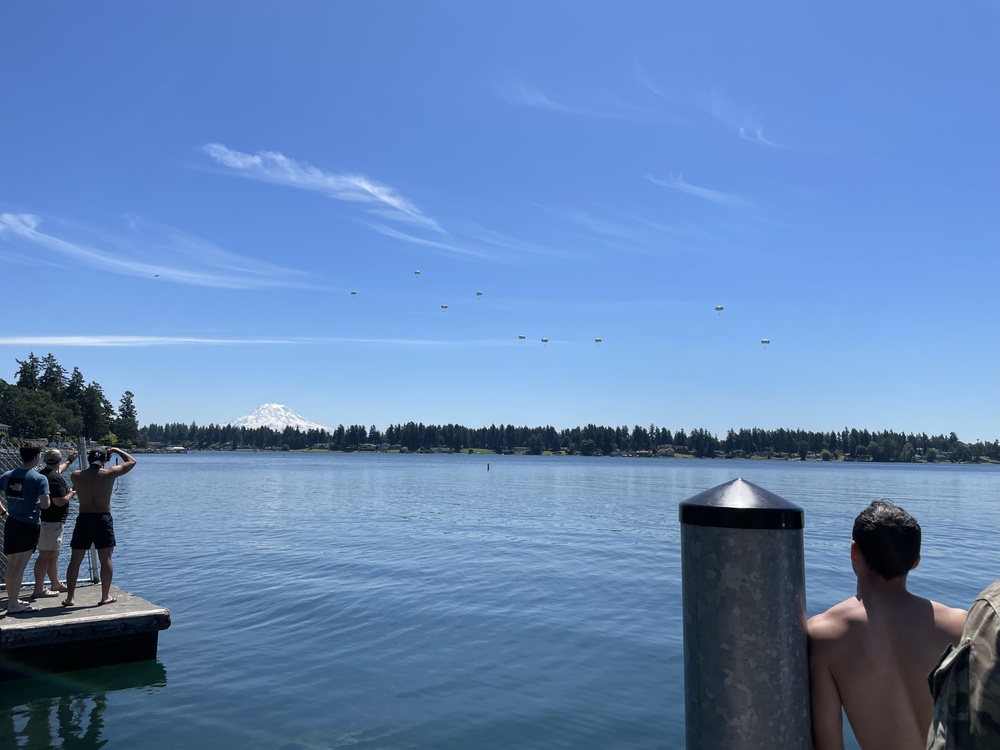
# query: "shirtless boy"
{"type": "Point", "coordinates": [871, 653]}
{"type": "Point", "coordinates": [94, 524]}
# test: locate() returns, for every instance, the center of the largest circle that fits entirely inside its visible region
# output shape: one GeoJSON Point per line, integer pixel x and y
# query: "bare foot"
{"type": "Point", "coordinates": [109, 600]}
{"type": "Point", "coordinates": [18, 610]}
{"type": "Point", "coordinates": [59, 587]}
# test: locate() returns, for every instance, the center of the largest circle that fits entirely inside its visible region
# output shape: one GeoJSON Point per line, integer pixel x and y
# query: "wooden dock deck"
{"type": "Point", "coordinates": [54, 638]}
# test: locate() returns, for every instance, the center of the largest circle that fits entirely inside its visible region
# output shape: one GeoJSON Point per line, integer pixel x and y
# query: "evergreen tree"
{"type": "Point", "coordinates": [72, 394]}
{"type": "Point", "coordinates": [126, 426]}
{"type": "Point", "coordinates": [96, 411]}
{"type": "Point", "coordinates": [53, 377]}
{"type": "Point", "coordinates": [28, 372]}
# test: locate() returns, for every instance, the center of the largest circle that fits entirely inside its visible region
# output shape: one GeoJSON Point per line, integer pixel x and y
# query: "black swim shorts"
{"type": "Point", "coordinates": [93, 528]}
{"type": "Point", "coordinates": [19, 536]}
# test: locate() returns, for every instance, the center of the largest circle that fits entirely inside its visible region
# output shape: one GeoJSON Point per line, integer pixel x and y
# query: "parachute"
{"type": "Point", "coordinates": [597, 341]}
{"type": "Point", "coordinates": [765, 342]}
{"type": "Point", "coordinates": [354, 294]}
{"type": "Point", "coordinates": [545, 341]}
{"type": "Point", "coordinates": [521, 337]}
{"type": "Point", "coordinates": [444, 308]}
{"type": "Point", "coordinates": [479, 294]}
{"type": "Point", "coordinates": [719, 309]}
{"type": "Point", "coordinates": [416, 273]}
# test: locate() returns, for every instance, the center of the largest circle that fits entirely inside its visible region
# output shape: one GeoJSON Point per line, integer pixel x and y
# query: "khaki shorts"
{"type": "Point", "coordinates": [51, 535]}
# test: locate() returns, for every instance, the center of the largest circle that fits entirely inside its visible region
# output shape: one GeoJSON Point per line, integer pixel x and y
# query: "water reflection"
{"type": "Point", "coordinates": [67, 710]}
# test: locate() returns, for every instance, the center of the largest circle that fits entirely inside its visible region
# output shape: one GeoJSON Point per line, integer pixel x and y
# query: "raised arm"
{"type": "Point", "coordinates": [68, 462]}
{"type": "Point", "coordinates": [127, 464]}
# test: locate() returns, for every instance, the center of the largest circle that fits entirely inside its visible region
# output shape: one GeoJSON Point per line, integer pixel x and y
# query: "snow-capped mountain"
{"type": "Point", "coordinates": [277, 417]}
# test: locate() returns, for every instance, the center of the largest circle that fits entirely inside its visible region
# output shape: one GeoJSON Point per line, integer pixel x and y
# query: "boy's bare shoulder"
{"type": "Point", "coordinates": [833, 625]}
{"type": "Point", "coordinates": [949, 619]}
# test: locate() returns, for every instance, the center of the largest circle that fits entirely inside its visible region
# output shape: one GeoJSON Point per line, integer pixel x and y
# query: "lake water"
{"type": "Point", "coordinates": [408, 601]}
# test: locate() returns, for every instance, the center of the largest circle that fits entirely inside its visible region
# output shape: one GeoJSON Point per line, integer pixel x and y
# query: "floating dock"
{"type": "Point", "coordinates": [54, 638]}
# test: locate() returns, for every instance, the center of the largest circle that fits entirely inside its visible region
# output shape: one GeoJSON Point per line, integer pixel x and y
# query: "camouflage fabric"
{"type": "Point", "coordinates": [966, 682]}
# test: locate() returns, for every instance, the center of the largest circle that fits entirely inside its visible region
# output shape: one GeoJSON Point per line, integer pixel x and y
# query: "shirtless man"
{"type": "Point", "coordinates": [94, 525]}
{"type": "Point", "coordinates": [871, 653]}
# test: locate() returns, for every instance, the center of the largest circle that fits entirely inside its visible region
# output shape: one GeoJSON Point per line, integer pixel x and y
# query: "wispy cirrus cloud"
{"type": "Point", "coordinates": [506, 242]}
{"type": "Point", "coordinates": [472, 240]}
{"type": "Point", "coordinates": [646, 80]}
{"type": "Point", "coordinates": [716, 196]}
{"type": "Point", "coordinates": [684, 231]}
{"type": "Point", "coordinates": [739, 118]}
{"type": "Point", "coordinates": [400, 342]}
{"type": "Point", "coordinates": [598, 104]}
{"type": "Point", "coordinates": [597, 229]}
{"type": "Point", "coordinates": [452, 248]}
{"type": "Point", "coordinates": [755, 134]}
{"type": "Point", "coordinates": [276, 168]}
{"type": "Point", "coordinates": [527, 96]}
{"type": "Point", "coordinates": [152, 251]}
{"type": "Point", "coordinates": [152, 341]}
{"type": "Point", "coordinates": [118, 341]}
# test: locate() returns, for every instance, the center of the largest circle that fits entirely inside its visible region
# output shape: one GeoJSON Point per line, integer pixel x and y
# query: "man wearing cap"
{"type": "Point", "coordinates": [26, 492]}
{"type": "Point", "coordinates": [94, 524]}
{"type": "Point", "coordinates": [53, 520]}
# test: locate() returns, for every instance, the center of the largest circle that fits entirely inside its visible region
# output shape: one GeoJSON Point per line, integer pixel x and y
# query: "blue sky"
{"type": "Point", "coordinates": [190, 193]}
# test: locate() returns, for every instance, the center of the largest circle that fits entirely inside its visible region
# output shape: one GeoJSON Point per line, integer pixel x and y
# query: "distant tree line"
{"type": "Point", "coordinates": [45, 401]}
{"type": "Point", "coordinates": [592, 440]}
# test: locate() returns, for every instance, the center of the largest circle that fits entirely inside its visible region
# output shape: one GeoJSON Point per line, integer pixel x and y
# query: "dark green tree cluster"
{"type": "Point", "coordinates": [858, 445]}
{"type": "Point", "coordinates": [591, 440]}
{"type": "Point", "coordinates": [227, 437]}
{"type": "Point", "coordinates": [45, 402]}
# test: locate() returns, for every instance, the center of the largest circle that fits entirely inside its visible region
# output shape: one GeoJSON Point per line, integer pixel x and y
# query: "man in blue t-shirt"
{"type": "Point", "coordinates": [26, 492]}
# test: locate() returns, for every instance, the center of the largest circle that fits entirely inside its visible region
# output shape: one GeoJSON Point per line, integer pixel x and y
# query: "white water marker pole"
{"type": "Point", "coordinates": [746, 671]}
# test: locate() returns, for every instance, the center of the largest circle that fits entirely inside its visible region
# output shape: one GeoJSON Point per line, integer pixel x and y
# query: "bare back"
{"type": "Point", "coordinates": [94, 484]}
{"type": "Point", "coordinates": [872, 655]}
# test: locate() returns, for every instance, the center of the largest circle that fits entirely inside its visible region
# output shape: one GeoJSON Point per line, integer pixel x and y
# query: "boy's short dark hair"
{"type": "Point", "coordinates": [30, 452]}
{"type": "Point", "coordinates": [889, 539]}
